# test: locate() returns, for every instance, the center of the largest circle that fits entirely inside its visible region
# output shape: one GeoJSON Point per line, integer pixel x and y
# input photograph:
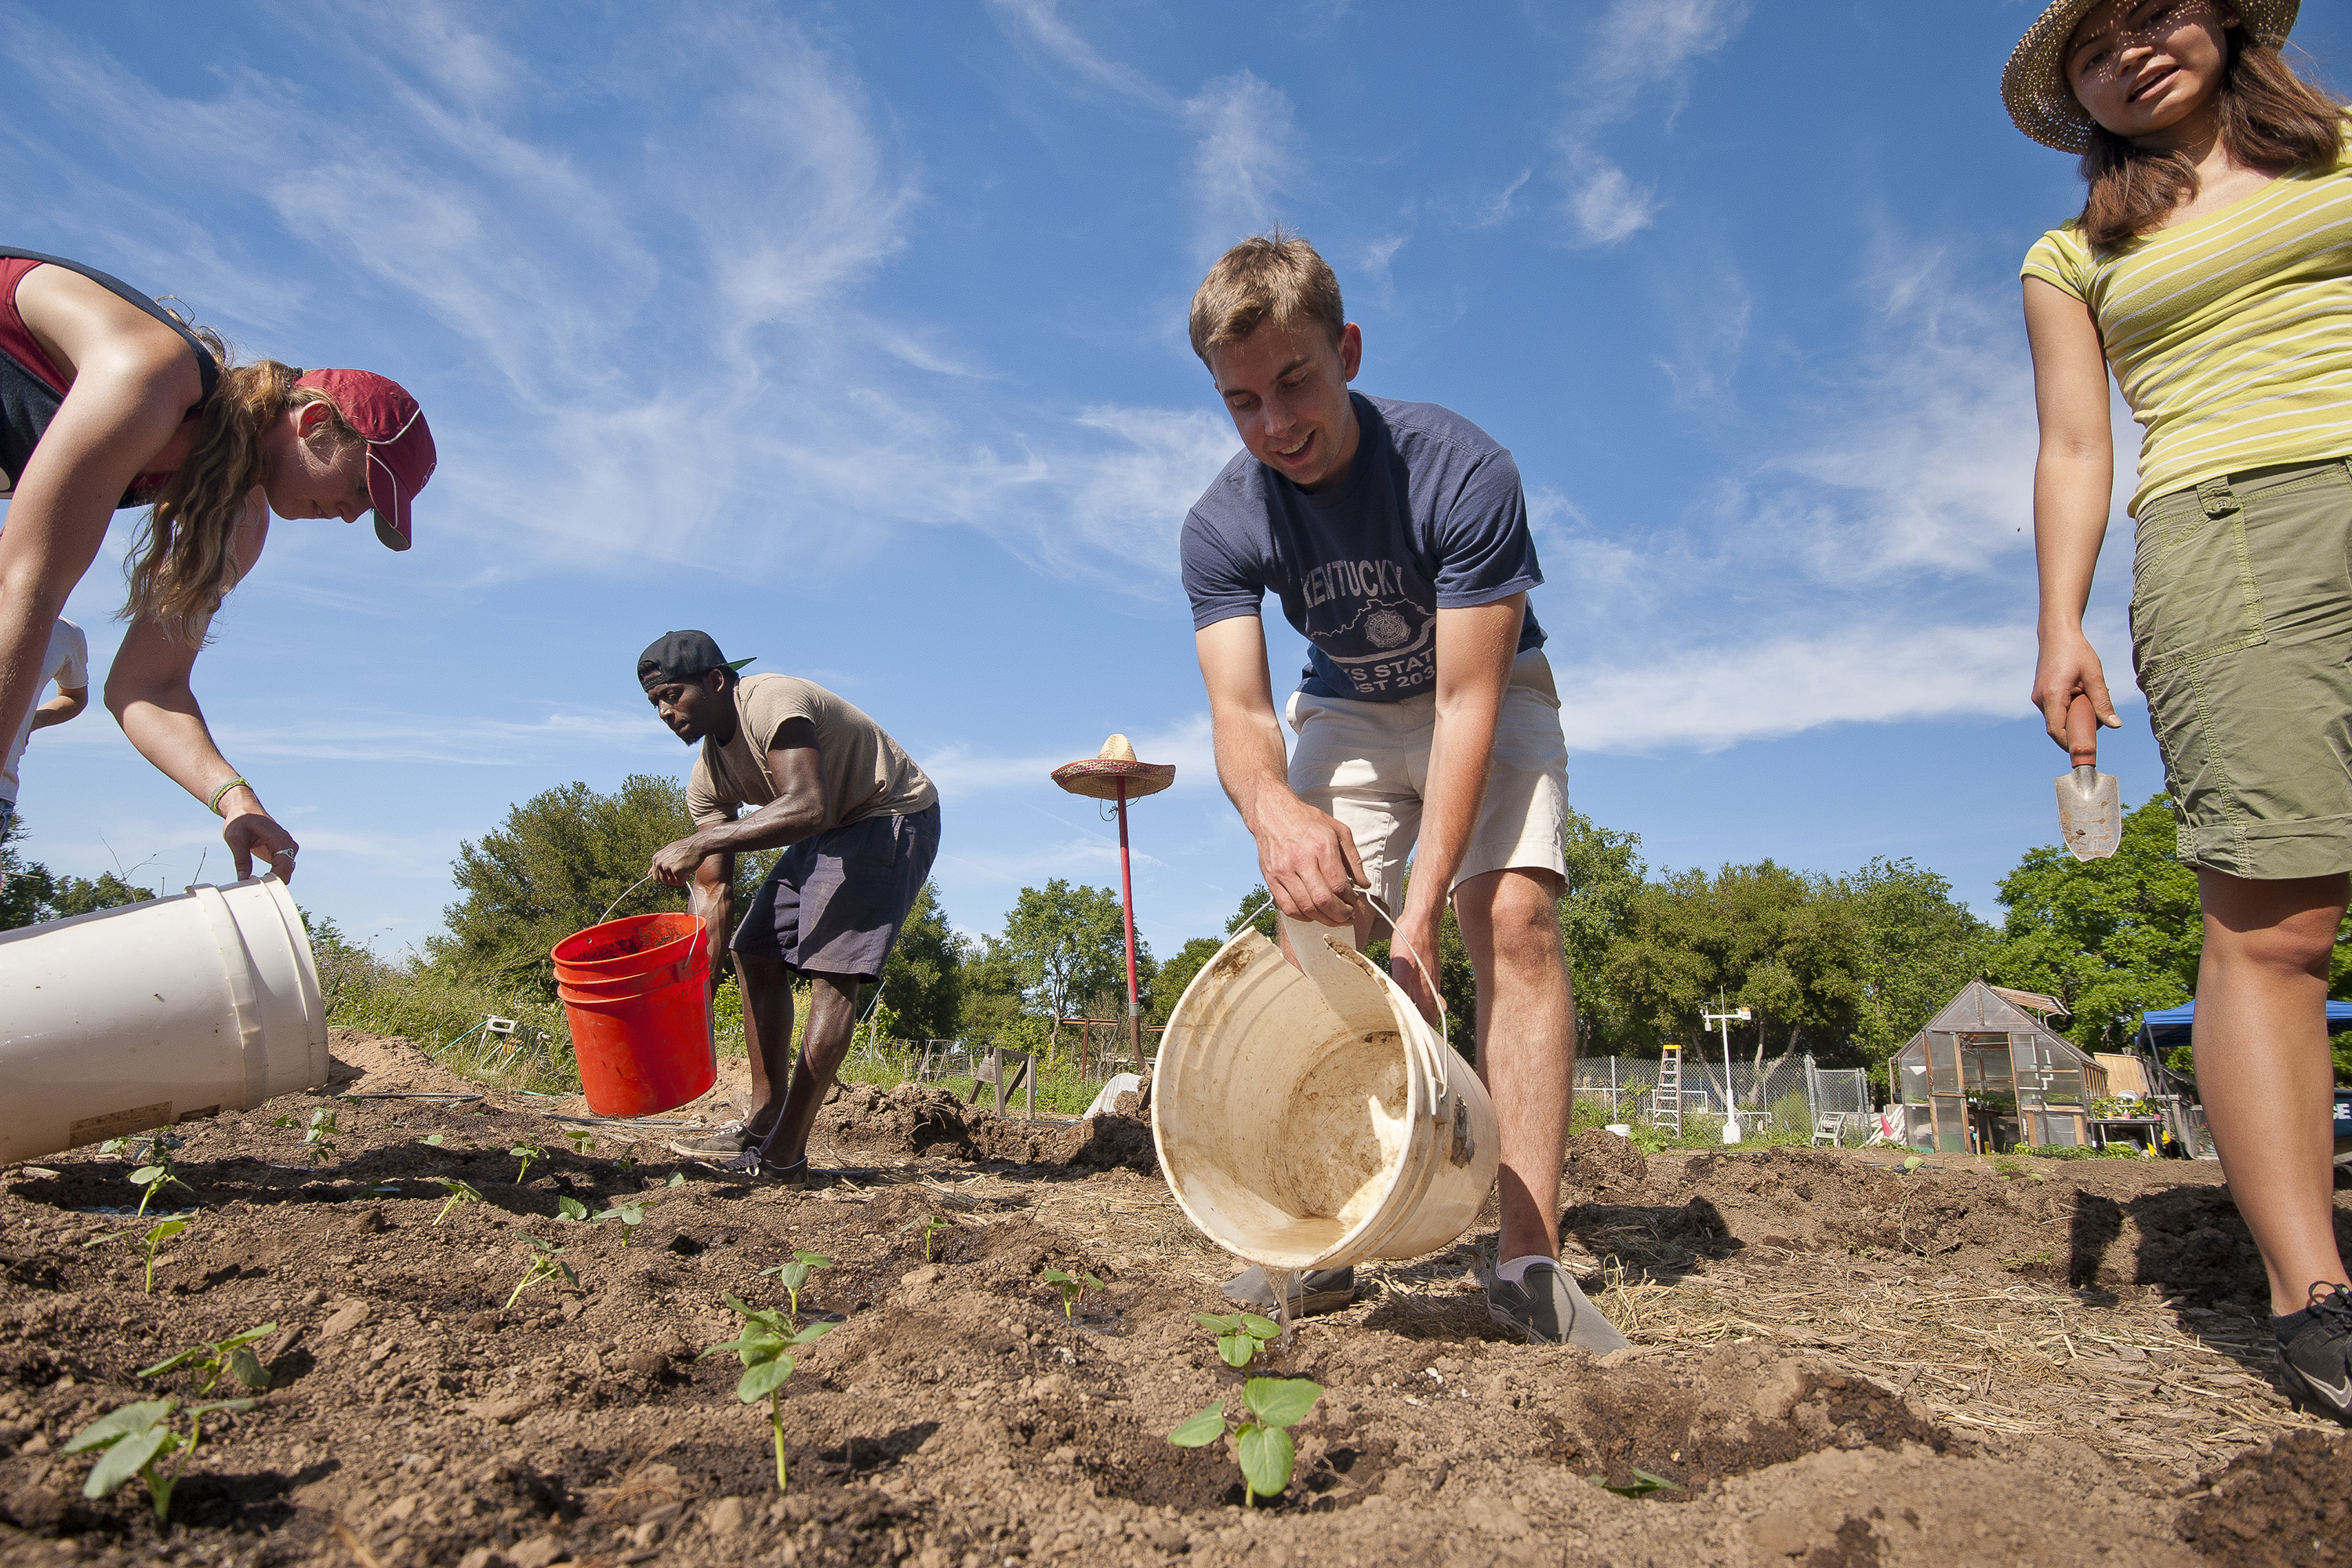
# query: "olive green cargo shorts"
{"type": "Point", "coordinates": [2241, 631]}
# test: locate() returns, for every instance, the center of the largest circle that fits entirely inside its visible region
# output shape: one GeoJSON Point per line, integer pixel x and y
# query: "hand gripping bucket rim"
{"type": "Point", "coordinates": [1309, 1117]}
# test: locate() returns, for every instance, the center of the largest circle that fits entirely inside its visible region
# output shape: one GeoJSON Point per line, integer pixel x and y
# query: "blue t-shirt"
{"type": "Point", "coordinates": [1430, 517]}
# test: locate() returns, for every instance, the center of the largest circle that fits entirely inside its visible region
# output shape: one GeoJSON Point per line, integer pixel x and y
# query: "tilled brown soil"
{"type": "Point", "coordinates": [1834, 1362]}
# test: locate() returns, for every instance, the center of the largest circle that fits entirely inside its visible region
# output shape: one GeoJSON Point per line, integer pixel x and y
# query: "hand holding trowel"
{"type": "Point", "coordinates": [2090, 804]}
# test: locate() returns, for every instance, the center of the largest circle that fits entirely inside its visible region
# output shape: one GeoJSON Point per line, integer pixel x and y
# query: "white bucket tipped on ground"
{"type": "Point", "coordinates": [136, 1017]}
{"type": "Point", "coordinates": [1309, 1117]}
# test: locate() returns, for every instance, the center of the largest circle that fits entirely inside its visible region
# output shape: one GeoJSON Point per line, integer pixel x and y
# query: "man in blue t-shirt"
{"type": "Point", "coordinates": [1395, 535]}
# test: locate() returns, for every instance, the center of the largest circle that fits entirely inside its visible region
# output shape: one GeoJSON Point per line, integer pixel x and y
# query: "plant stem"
{"type": "Point", "coordinates": [776, 1428]}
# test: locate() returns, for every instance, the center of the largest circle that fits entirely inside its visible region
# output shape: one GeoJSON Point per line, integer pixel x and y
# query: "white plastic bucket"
{"type": "Point", "coordinates": [139, 1016]}
{"type": "Point", "coordinates": [1309, 1117]}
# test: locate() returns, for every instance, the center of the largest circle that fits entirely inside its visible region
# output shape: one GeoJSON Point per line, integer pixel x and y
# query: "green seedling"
{"type": "Point", "coordinates": [216, 1359]}
{"type": "Point", "coordinates": [763, 1346]}
{"type": "Point", "coordinates": [136, 1438]}
{"type": "Point", "coordinates": [1911, 1164]}
{"type": "Point", "coordinates": [526, 1151]}
{"type": "Point", "coordinates": [582, 1140]}
{"type": "Point", "coordinates": [1241, 1336]}
{"type": "Point", "coordinates": [795, 1276]}
{"type": "Point", "coordinates": [149, 1243]}
{"type": "Point", "coordinates": [931, 1228]}
{"type": "Point", "coordinates": [1644, 1484]}
{"type": "Point", "coordinates": [631, 1215]}
{"type": "Point", "coordinates": [1275, 1406]}
{"type": "Point", "coordinates": [156, 1172]}
{"type": "Point", "coordinates": [435, 1139]}
{"type": "Point", "coordinates": [460, 1191]}
{"type": "Point", "coordinates": [1072, 1286]}
{"type": "Point", "coordinates": [572, 1209]}
{"type": "Point", "coordinates": [318, 1135]}
{"type": "Point", "coordinates": [546, 1263]}
{"type": "Point", "coordinates": [628, 1160]}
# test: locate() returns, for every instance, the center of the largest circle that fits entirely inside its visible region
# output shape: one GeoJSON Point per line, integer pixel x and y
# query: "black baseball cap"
{"type": "Point", "coordinates": [682, 655]}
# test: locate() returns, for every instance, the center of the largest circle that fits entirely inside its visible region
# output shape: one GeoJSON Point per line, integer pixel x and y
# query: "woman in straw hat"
{"type": "Point", "coordinates": [2210, 270]}
{"type": "Point", "coordinates": [108, 400]}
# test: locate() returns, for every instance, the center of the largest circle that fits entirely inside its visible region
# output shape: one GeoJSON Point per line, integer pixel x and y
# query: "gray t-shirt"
{"type": "Point", "coordinates": [1430, 517]}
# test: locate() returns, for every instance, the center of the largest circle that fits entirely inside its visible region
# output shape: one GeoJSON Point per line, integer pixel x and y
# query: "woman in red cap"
{"type": "Point", "coordinates": [107, 401]}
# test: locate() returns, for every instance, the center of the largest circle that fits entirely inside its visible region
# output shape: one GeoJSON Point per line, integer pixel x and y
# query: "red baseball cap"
{"type": "Point", "coordinates": [400, 444]}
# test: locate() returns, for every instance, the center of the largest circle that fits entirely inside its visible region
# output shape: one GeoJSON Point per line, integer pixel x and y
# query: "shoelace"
{"type": "Point", "coordinates": [2334, 1309]}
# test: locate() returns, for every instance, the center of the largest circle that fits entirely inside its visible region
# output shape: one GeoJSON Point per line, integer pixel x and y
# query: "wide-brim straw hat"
{"type": "Point", "coordinates": [2033, 84]}
{"type": "Point", "coordinates": [1099, 775]}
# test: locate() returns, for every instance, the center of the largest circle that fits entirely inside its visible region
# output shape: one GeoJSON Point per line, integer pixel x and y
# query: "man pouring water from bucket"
{"type": "Point", "coordinates": [862, 821]}
{"type": "Point", "coordinates": [1395, 535]}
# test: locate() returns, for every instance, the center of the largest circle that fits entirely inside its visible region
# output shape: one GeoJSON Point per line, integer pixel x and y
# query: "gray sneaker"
{"type": "Point", "coordinates": [1322, 1290]}
{"type": "Point", "coordinates": [2315, 1344]}
{"type": "Point", "coordinates": [1547, 1309]}
{"type": "Point", "coordinates": [721, 1142]}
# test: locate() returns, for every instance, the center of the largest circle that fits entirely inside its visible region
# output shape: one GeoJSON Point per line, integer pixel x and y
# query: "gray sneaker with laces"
{"type": "Point", "coordinates": [2315, 1348]}
{"type": "Point", "coordinates": [721, 1142]}
{"type": "Point", "coordinates": [1547, 1309]}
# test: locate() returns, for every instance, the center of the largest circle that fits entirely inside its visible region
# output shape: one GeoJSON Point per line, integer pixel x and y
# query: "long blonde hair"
{"type": "Point", "coordinates": [182, 561]}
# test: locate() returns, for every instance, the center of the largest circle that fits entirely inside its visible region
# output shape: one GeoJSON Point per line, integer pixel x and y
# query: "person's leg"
{"type": "Point", "coordinates": [1526, 1043]}
{"type": "Point", "coordinates": [832, 1022]}
{"type": "Point", "coordinates": [767, 985]}
{"type": "Point", "coordinates": [2264, 1070]}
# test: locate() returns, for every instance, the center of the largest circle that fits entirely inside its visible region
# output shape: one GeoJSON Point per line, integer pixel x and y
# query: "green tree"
{"type": "Point", "coordinates": [989, 999]}
{"type": "Point", "coordinates": [1785, 945]}
{"type": "Point", "coordinates": [1064, 943]}
{"type": "Point", "coordinates": [30, 893]}
{"type": "Point", "coordinates": [1605, 875]}
{"type": "Point", "coordinates": [1168, 986]}
{"type": "Point", "coordinates": [560, 861]}
{"type": "Point", "coordinates": [922, 980]}
{"type": "Point", "coordinates": [1919, 947]}
{"type": "Point", "coordinates": [2109, 938]}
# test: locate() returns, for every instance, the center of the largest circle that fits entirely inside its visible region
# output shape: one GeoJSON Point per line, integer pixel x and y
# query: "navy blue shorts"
{"type": "Point", "coordinates": [835, 902]}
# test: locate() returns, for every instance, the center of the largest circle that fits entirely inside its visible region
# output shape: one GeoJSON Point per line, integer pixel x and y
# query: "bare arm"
{"type": "Point", "coordinates": [2074, 484]}
{"type": "Point", "coordinates": [68, 703]}
{"type": "Point", "coordinates": [1308, 859]}
{"type": "Point", "coordinates": [712, 898]}
{"type": "Point", "coordinates": [148, 692]}
{"type": "Point", "coordinates": [132, 379]}
{"type": "Point", "coordinates": [798, 810]}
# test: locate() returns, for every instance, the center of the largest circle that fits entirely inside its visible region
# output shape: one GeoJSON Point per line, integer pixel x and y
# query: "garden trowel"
{"type": "Point", "coordinates": [2090, 804]}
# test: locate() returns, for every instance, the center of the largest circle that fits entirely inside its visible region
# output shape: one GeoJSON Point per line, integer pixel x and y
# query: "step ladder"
{"type": "Point", "coordinates": [1666, 1100]}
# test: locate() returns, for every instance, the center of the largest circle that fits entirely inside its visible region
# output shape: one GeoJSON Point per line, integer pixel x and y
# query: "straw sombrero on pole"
{"type": "Point", "coordinates": [2034, 85]}
{"type": "Point", "coordinates": [1099, 775]}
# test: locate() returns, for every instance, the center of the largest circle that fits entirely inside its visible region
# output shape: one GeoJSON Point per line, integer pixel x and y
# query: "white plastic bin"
{"type": "Point", "coordinates": [139, 1016]}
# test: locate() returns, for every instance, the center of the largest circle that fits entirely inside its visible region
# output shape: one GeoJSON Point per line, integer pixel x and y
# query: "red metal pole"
{"type": "Point", "coordinates": [1126, 907]}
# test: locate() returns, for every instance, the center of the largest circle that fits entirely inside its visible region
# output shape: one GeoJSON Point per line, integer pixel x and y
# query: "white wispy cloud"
{"type": "Point", "coordinates": [1189, 745]}
{"type": "Point", "coordinates": [1632, 47]}
{"type": "Point", "coordinates": [1248, 156]}
{"type": "Point", "coordinates": [1039, 27]}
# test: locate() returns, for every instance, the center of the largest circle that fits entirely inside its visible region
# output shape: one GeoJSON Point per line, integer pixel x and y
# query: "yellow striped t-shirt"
{"type": "Point", "coordinates": [2230, 335]}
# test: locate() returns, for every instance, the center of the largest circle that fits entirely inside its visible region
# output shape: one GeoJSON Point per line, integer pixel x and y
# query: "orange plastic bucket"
{"type": "Point", "coordinates": [637, 994]}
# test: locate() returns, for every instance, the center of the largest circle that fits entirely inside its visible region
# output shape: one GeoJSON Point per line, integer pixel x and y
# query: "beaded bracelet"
{"type": "Point", "coordinates": [213, 804]}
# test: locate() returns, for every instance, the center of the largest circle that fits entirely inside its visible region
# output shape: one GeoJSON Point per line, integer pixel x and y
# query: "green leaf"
{"type": "Point", "coordinates": [1643, 1484]}
{"type": "Point", "coordinates": [814, 1331]}
{"type": "Point", "coordinates": [570, 1209]}
{"type": "Point", "coordinates": [676, 1179]}
{"type": "Point", "coordinates": [763, 1380]}
{"type": "Point", "coordinates": [126, 1459]}
{"type": "Point", "coordinates": [1219, 1322]}
{"type": "Point", "coordinates": [1202, 1429]}
{"type": "Point", "coordinates": [247, 1368]}
{"type": "Point", "coordinates": [1055, 1277]}
{"type": "Point", "coordinates": [435, 1139]}
{"type": "Point", "coordinates": [1913, 1164]}
{"type": "Point", "coordinates": [1280, 1401]}
{"type": "Point", "coordinates": [145, 1174]}
{"type": "Point", "coordinates": [814, 1259]}
{"type": "Point", "coordinates": [1266, 1455]}
{"type": "Point", "coordinates": [222, 1404]}
{"type": "Point", "coordinates": [736, 1345]}
{"type": "Point", "coordinates": [173, 1365]}
{"type": "Point", "coordinates": [1237, 1349]}
{"type": "Point", "coordinates": [165, 1232]}
{"type": "Point", "coordinates": [120, 1423]}
{"type": "Point", "coordinates": [1261, 1327]}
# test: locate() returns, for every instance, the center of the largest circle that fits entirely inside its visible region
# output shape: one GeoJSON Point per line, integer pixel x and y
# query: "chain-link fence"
{"type": "Point", "coordinates": [1797, 1094]}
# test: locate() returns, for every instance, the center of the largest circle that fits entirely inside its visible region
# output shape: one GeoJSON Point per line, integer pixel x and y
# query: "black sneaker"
{"type": "Point", "coordinates": [1547, 1309]}
{"type": "Point", "coordinates": [1322, 1290]}
{"type": "Point", "coordinates": [2315, 1346]}
{"type": "Point", "coordinates": [750, 1164]}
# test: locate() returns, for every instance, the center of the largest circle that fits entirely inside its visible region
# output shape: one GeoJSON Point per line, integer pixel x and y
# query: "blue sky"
{"type": "Point", "coordinates": [854, 336]}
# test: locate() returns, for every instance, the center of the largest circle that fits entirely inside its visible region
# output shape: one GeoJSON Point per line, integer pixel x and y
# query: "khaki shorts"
{"type": "Point", "coordinates": [2242, 629]}
{"type": "Point", "coordinates": [1367, 764]}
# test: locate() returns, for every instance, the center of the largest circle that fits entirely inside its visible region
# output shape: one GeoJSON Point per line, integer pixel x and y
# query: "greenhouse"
{"type": "Point", "coordinates": [1987, 1074]}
